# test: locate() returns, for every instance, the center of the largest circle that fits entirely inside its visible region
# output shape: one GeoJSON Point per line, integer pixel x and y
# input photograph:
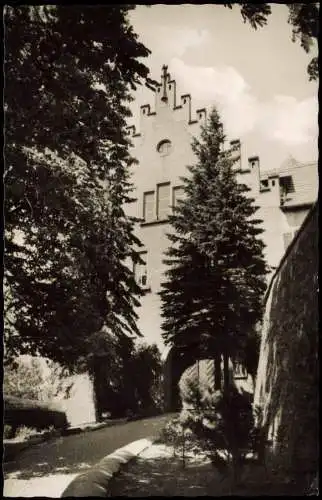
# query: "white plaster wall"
{"type": "Point", "coordinates": [79, 407]}
{"type": "Point", "coordinates": [173, 124]}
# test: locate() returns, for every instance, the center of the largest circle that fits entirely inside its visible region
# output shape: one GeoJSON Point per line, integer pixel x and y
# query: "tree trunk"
{"type": "Point", "coordinates": [236, 466]}
{"type": "Point", "coordinates": [226, 372]}
{"type": "Point", "coordinates": [97, 390]}
{"type": "Point", "coordinates": [217, 371]}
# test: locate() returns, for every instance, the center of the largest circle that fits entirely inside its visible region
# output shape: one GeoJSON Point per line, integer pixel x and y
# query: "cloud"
{"type": "Point", "coordinates": [282, 118]}
{"type": "Point", "coordinates": [177, 42]}
{"type": "Point", "coordinates": [288, 120]}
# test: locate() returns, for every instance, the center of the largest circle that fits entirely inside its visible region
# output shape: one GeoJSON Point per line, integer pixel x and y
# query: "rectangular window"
{"type": "Point", "coordinates": [178, 193]}
{"type": "Point", "coordinates": [264, 183]}
{"type": "Point", "coordinates": [141, 271]}
{"type": "Point", "coordinates": [163, 201]}
{"type": "Point", "coordinates": [148, 206]}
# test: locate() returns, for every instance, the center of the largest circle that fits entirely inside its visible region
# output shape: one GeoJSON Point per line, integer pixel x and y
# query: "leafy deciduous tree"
{"type": "Point", "coordinates": [304, 18]}
{"type": "Point", "coordinates": [69, 71]}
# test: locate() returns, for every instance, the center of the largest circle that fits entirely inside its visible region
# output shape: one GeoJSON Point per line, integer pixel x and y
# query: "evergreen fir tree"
{"type": "Point", "coordinates": [212, 297]}
{"type": "Point", "coordinates": [69, 72]}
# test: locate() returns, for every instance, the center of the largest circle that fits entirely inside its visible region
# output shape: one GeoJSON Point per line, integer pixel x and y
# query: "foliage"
{"type": "Point", "coordinates": [175, 434]}
{"type": "Point", "coordinates": [69, 72]}
{"type": "Point", "coordinates": [255, 13]}
{"type": "Point", "coordinates": [110, 365]}
{"type": "Point", "coordinates": [23, 433]}
{"type": "Point", "coordinates": [221, 422]}
{"type": "Point", "coordinates": [146, 377]}
{"type": "Point", "coordinates": [219, 425]}
{"type": "Point", "coordinates": [127, 377]}
{"type": "Point", "coordinates": [32, 413]}
{"type": "Point", "coordinates": [24, 380]}
{"type": "Point", "coordinates": [7, 431]}
{"type": "Point", "coordinates": [27, 379]}
{"type": "Point", "coordinates": [249, 356]}
{"type": "Point", "coordinates": [212, 298]}
{"type": "Point", "coordinates": [304, 18]}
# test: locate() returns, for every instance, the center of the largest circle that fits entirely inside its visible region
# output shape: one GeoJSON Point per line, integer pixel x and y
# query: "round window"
{"type": "Point", "coordinates": [164, 147]}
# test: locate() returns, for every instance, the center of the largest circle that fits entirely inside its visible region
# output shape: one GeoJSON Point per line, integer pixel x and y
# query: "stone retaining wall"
{"type": "Point", "coordinates": [287, 384]}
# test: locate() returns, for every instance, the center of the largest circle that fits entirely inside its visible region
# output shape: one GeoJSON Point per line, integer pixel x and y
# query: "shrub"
{"type": "Point", "coordinates": [222, 423]}
{"type": "Point", "coordinates": [32, 414]}
{"type": "Point", "coordinates": [7, 431]}
{"type": "Point", "coordinates": [23, 433]}
{"type": "Point", "coordinates": [27, 379]}
{"type": "Point", "coordinates": [179, 437]}
{"type": "Point", "coordinates": [23, 379]}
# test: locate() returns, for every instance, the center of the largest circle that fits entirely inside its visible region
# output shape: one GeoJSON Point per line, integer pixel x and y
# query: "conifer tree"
{"type": "Point", "coordinates": [69, 72]}
{"type": "Point", "coordinates": [212, 296]}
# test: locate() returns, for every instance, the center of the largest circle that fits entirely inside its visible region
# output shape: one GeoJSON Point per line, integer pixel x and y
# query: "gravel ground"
{"type": "Point", "coordinates": [156, 472]}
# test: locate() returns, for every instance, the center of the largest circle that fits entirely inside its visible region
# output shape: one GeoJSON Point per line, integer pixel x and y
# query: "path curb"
{"type": "Point", "coordinates": [95, 482]}
{"type": "Point", "coordinates": [88, 428]}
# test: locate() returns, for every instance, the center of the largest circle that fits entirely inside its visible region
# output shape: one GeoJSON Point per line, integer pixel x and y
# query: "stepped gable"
{"type": "Point", "coordinates": [165, 95]}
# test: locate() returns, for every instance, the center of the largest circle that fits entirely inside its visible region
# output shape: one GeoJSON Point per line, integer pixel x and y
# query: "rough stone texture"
{"type": "Point", "coordinates": [287, 380]}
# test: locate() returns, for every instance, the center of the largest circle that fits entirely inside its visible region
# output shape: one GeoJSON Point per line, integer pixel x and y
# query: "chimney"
{"type": "Point", "coordinates": [253, 163]}
{"type": "Point", "coordinates": [253, 167]}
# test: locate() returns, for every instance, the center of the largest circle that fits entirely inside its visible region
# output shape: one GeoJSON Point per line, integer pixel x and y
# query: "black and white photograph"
{"type": "Point", "coordinates": [160, 279]}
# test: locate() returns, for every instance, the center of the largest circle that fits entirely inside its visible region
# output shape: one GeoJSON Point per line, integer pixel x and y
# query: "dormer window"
{"type": "Point", "coordinates": [286, 187]}
{"type": "Point", "coordinates": [164, 147]}
{"type": "Point", "coordinates": [287, 184]}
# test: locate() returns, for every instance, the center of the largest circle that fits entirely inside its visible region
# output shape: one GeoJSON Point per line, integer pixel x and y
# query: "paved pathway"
{"type": "Point", "coordinates": [47, 468]}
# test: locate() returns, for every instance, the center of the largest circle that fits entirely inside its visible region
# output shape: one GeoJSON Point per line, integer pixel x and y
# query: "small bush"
{"type": "Point", "coordinates": [23, 433]}
{"type": "Point", "coordinates": [222, 423]}
{"type": "Point", "coordinates": [7, 431]}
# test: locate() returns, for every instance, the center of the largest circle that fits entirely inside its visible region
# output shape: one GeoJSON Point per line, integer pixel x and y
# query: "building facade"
{"type": "Point", "coordinates": [162, 147]}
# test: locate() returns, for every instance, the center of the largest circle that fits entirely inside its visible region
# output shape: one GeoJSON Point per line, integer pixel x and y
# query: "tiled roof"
{"type": "Point", "coordinates": [305, 180]}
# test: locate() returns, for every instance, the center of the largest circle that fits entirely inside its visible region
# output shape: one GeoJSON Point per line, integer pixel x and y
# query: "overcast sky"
{"type": "Point", "coordinates": [257, 79]}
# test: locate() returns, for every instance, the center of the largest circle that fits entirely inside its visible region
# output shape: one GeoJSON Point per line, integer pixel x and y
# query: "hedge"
{"type": "Point", "coordinates": [32, 413]}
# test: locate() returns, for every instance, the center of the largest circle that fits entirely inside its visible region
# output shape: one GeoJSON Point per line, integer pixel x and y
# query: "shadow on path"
{"type": "Point", "coordinates": [164, 475]}
{"type": "Point", "coordinates": [77, 453]}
